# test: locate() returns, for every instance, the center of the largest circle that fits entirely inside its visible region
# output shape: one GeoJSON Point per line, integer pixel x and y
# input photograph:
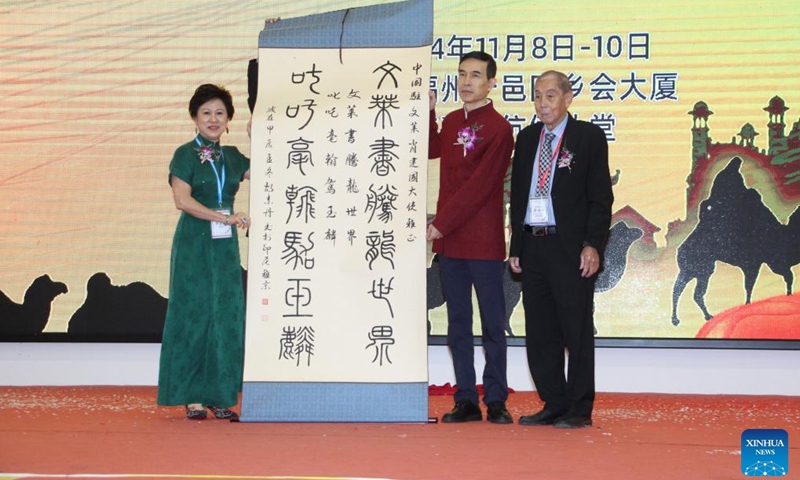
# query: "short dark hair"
{"type": "Point", "coordinates": [207, 92]}
{"type": "Point", "coordinates": [491, 65]}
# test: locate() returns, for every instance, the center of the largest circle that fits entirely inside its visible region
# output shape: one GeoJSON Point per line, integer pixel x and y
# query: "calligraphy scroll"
{"type": "Point", "coordinates": [336, 280]}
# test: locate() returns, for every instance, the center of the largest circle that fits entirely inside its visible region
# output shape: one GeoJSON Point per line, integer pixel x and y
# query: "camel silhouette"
{"type": "Point", "coordinates": [615, 258]}
{"type": "Point", "coordinates": [30, 317]}
{"type": "Point", "coordinates": [615, 255]}
{"type": "Point", "coordinates": [735, 227]}
{"type": "Point", "coordinates": [133, 309]}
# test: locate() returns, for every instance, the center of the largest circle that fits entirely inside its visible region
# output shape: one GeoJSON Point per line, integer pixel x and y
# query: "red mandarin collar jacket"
{"type": "Point", "coordinates": [470, 209]}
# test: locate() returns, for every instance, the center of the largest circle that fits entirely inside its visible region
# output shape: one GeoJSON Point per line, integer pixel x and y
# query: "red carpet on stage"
{"type": "Point", "coordinates": [60, 431]}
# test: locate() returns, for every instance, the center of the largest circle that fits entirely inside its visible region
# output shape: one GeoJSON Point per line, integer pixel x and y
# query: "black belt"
{"type": "Point", "coordinates": [540, 231]}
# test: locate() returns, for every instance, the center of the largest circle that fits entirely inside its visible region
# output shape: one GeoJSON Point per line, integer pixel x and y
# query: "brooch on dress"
{"type": "Point", "coordinates": [206, 154]}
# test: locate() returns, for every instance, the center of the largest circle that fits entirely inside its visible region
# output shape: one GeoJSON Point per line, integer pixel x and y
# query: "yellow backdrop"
{"type": "Point", "coordinates": [94, 102]}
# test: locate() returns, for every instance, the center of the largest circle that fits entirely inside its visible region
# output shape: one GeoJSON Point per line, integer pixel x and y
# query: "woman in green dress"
{"type": "Point", "coordinates": [202, 350]}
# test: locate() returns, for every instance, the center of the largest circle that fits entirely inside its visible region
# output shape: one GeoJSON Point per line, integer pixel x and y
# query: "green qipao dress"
{"type": "Point", "coordinates": [202, 350]}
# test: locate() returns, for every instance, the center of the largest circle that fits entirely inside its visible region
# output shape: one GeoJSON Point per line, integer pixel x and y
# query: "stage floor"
{"type": "Point", "coordinates": [56, 432]}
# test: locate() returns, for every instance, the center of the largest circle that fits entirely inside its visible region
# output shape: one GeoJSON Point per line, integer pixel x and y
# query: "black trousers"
{"type": "Point", "coordinates": [458, 278]}
{"type": "Point", "coordinates": [558, 316]}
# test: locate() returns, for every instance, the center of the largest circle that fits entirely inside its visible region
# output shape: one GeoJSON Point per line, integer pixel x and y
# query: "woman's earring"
{"type": "Point", "coordinates": [195, 130]}
{"type": "Point", "coordinates": [227, 130]}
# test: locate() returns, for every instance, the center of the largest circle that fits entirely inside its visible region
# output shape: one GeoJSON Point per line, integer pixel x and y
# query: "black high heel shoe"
{"type": "Point", "coordinates": [195, 414]}
{"type": "Point", "coordinates": [224, 413]}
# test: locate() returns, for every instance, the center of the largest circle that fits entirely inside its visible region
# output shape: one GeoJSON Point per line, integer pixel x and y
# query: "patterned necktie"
{"type": "Point", "coordinates": [544, 165]}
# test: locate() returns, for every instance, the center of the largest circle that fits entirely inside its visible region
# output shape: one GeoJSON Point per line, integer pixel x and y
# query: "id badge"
{"type": "Point", "coordinates": [219, 229]}
{"type": "Point", "coordinates": [537, 210]}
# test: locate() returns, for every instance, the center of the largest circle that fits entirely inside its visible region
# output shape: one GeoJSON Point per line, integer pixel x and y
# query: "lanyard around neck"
{"type": "Point", "coordinates": [220, 180]}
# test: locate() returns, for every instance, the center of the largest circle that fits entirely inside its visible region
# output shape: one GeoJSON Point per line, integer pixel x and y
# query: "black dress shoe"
{"type": "Point", "coordinates": [497, 413]}
{"type": "Point", "coordinates": [573, 421]}
{"type": "Point", "coordinates": [195, 414]}
{"type": "Point", "coordinates": [224, 414]}
{"type": "Point", "coordinates": [545, 417]}
{"type": "Point", "coordinates": [464, 411]}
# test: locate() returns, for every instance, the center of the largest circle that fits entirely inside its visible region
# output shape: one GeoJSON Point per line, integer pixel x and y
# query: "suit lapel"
{"type": "Point", "coordinates": [570, 138]}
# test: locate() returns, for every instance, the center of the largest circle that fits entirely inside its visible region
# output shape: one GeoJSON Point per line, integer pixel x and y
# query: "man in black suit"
{"type": "Point", "coordinates": [560, 217]}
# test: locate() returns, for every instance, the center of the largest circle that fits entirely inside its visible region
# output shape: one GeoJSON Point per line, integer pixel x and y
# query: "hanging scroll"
{"type": "Point", "coordinates": [336, 290]}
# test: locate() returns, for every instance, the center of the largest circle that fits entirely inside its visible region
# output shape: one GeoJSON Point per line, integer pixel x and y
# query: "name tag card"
{"type": "Point", "coordinates": [219, 229]}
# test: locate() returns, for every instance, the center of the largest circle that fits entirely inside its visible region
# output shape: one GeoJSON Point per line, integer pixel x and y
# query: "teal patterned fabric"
{"type": "Point", "coordinates": [202, 350]}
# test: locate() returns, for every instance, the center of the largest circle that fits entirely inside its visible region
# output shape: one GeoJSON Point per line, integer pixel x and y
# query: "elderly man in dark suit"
{"type": "Point", "coordinates": [560, 216]}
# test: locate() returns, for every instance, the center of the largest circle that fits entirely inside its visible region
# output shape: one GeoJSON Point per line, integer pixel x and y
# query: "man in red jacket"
{"type": "Point", "coordinates": [475, 146]}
